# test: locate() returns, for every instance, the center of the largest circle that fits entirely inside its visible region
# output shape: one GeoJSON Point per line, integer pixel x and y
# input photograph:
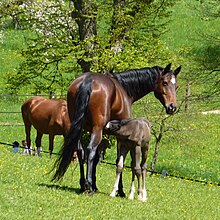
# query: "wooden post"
{"type": "Point", "coordinates": [187, 96]}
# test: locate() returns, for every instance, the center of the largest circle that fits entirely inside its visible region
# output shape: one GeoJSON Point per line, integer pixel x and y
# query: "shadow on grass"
{"type": "Point", "coordinates": [64, 188]}
{"type": "Point", "coordinates": [70, 189]}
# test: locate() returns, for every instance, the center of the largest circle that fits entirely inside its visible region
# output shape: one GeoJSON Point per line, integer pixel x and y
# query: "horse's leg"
{"type": "Point", "coordinates": [81, 158]}
{"type": "Point", "coordinates": [51, 143]}
{"type": "Point", "coordinates": [96, 161]}
{"type": "Point", "coordinates": [38, 143]}
{"type": "Point", "coordinates": [96, 138]}
{"type": "Point", "coordinates": [122, 154]}
{"type": "Point", "coordinates": [144, 151]}
{"type": "Point", "coordinates": [133, 160]}
{"type": "Point", "coordinates": [120, 184]}
{"type": "Point", "coordinates": [27, 131]}
{"type": "Point", "coordinates": [137, 170]}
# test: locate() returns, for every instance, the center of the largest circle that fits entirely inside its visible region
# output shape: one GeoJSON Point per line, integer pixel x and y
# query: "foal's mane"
{"type": "Point", "coordinates": [117, 124]}
{"type": "Point", "coordinates": [125, 121]}
{"type": "Point", "coordinates": [138, 82]}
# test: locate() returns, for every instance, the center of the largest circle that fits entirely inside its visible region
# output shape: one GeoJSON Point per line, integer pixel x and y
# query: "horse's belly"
{"type": "Point", "coordinates": [45, 128]}
{"type": "Point", "coordinates": [41, 128]}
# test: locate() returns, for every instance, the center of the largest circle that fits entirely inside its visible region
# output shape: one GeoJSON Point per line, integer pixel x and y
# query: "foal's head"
{"type": "Point", "coordinates": [166, 88]}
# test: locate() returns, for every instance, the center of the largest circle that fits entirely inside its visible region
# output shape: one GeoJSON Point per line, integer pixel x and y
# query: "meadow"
{"type": "Point", "coordinates": [190, 149]}
{"type": "Point", "coordinates": [27, 191]}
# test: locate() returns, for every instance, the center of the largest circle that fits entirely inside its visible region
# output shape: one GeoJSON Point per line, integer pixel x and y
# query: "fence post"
{"type": "Point", "coordinates": [187, 96]}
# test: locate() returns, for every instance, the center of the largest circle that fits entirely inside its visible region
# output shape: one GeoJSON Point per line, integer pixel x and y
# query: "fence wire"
{"type": "Point", "coordinates": [179, 129]}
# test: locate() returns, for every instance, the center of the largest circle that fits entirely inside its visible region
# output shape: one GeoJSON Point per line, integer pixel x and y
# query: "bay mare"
{"type": "Point", "coordinates": [48, 116]}
{"type": "Point", "coordinates": [94, 99]}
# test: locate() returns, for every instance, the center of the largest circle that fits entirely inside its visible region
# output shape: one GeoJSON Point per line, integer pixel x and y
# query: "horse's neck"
{"type": "Point", "coordinates": [140, 86]}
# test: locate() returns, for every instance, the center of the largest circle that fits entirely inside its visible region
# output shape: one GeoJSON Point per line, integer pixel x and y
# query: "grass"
{"type": "Point", "coordinates": [193, 149]}
{"type": "Point", "coordinates": [190, 149]}
{"type": "Point", "coordinates": [11, 42]}
{"type": "Point", "coordinates": [26, 192]}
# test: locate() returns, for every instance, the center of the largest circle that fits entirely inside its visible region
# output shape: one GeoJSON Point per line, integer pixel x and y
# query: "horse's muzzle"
{"type": "Point", "coordinates": [170, 109]}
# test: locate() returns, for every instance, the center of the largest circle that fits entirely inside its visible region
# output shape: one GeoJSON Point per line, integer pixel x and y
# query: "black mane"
{"type": "Point", "coordinates": [139, 82]}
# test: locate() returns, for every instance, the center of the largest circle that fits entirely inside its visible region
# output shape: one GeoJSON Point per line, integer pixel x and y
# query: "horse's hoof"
{"type": "Point", "coordinates": [82, 190]}
{"type": "Point", "coordinates": [91, 193]}
{"type": "Point", "coordinates": [95, 189]}
{"type": "Point", "coordinates": [131, 197]}
{"type": "Point", "coordinates": [121, 194]}
{"type": "Point", "coordinates": [113, 194]}
{"type": "Point", "coordinates": [142, 199]}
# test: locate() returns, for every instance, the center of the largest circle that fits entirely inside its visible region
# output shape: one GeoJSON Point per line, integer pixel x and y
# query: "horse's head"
{"type": "Point", "coordinates": [166, 88]}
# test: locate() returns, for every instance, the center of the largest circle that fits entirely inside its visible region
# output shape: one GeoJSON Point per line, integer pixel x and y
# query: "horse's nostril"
{"type": "Point", "coordinates": [171, 109]}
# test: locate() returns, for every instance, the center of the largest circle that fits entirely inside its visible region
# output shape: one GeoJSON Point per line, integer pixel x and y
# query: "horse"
{"type": "Point", "coordinates": [94, 99]}
{"type": "Point", "coordinates": [48, 116]}
{"type": "Point", "coordinates": [134, 136]}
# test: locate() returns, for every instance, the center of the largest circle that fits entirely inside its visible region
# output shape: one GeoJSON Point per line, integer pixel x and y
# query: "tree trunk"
{"type": "Point", "coordinates": [84, 13]}
{"type": "Point", "coordinates": [156, 151]}
{"type": "Point", "coordinates": [187, 96]}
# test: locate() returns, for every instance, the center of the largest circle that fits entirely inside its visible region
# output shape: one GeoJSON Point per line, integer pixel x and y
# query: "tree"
{"type": "Point", "coordinates": [64, 40]}
{"type": "Point", "coordinates": [208, 54]}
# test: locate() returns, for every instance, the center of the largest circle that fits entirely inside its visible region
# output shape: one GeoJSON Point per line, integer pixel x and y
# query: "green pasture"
{"type": "Point", "coordinates": [26, 192]}
{"type": "Point", "coordinates": [190, 147]}
{"type": "Point", "coordinates": [189, 150]}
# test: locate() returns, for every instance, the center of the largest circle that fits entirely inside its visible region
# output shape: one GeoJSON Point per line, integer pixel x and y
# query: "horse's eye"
{"type": "Point", "coordinates": [165, 83]}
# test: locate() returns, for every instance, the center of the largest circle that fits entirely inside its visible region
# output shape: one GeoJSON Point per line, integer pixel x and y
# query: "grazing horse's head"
{"type": "Point", "coordinates": [166, 88]}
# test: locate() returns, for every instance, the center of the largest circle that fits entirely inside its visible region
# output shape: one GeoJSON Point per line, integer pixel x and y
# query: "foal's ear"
{"type": "Point", "coordinates": [167, 68]}
{"type": "Point", "coordinates": [177, 70]}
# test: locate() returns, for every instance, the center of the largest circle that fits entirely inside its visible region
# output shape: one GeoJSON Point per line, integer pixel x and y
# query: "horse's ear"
{"type": "Point", "coordinates": [177, 70]}
{"type": "Point", "coordinates": [167, 68]}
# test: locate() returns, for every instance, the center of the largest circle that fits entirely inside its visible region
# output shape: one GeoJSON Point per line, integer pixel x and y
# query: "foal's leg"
{"type": "Point", "coordinates": [136, 170]}
{"type": "Point", "coordinates": [51, 143]}
{"type": "Point", "coordinates": [144, 151]}
{"type": "Point", "coordinates": [120, 165]}
{"type": "Point", "coordinates": [38, 142]}
{"type": "Point", "coordinates": [120, 184]}
{"type": "Point", "coordinates": [132, 190]}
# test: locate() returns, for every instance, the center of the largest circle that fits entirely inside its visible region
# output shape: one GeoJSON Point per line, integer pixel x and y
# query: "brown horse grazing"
{"type": "Point", "coordinates": [94, 99]}
{"type": "Point", "coordinates": [134, 136]}
{"type": "Point", "coordinates": [48, 116]}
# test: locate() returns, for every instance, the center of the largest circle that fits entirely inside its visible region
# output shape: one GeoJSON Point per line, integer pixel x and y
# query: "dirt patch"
{"type": "Point", "coordinates": [211, 112]}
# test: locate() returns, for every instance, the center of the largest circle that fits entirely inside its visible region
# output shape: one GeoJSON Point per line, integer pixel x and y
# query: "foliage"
{"type": "Point", "coordinates": [194, 35]}
{"type": "Point", "coordinates": [208, 52]}
{"type": "Point", "coordinates": [59, 43]}
{"type": "Point", "coordinates": [49, 42]}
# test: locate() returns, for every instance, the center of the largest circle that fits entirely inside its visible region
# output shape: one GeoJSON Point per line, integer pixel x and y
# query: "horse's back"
{"type": "Point", "coordinates": [140, 128]}
{"type": "Point", "coordinates": [45, 114]}
{"type": "Point", "coordinates": [136, 131]}
{"type": "Point", "coordinates": [107, 99]}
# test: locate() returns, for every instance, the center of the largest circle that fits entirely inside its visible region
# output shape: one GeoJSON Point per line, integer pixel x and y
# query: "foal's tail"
{"type": "Point", "coordinates": [74, 134]}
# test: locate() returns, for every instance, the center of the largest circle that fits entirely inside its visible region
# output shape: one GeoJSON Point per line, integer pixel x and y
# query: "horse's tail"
{"type": "Point", "coordinates": [74, 134]}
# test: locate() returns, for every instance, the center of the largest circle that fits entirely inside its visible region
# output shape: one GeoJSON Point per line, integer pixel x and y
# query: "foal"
{"type": "Point", "coordinates": [133, 135]}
